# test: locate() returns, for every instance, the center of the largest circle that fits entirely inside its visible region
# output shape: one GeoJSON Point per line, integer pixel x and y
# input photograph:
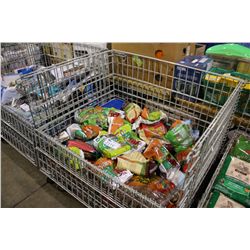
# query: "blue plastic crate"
{"type": "Point", "coordinates": [115, 103]}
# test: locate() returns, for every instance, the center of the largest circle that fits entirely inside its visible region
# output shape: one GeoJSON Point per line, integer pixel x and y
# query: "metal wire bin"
{"type": "Point", "coordinates": [242, 120]}
{"type": "Point", "coordinates": [207, 194]}
{"type": "Point", "coordinates": [17, 129]}
{"type": "Point", "coordinates": [145, 81]}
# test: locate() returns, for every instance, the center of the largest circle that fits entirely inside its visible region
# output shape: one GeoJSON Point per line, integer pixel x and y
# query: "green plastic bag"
{"type": "Point", "coordinates": [74, 162]}
{"type": "Point", "coordinates": [242, 149]}
{"type": "Point", "coordinates": [132, 139]}
{"type": "Point", "coordinates": [95, 116]}
{"type": "Point", "coordinates": [111, 146]}
{"type": "Point", "coordinates": [180, 137]}
{"type": "Point", "coordinates": [234, 180]}
{"type": "Point", "coordinates": [219, 200]}
{"type": "Point", "coordinates": [230, 50]}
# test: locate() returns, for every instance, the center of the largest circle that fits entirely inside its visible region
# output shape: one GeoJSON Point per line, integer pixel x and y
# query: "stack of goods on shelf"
{"type": "Point", "coordinates": [135, 146]}
{"type": "Point", "coordinates": [232, 185]}
{"type": "Point", "coordinates": [231, 57]}
{"type": "Point", "coordinates": [187, 79]}
{"type": "Point", "coordinates": [217, 89]}
{"type": "Point", "coordinates": [224, 66]}
{"type": "Point", "coordinates": [228, 60]}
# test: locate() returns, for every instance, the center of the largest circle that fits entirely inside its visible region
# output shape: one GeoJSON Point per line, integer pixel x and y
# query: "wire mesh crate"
{"type": "Point", "coordinates": [88, 189]}
{"type": "Point", "coordinates": [17, 127]}
{"type": "Point", "coordinates": [242, 120]}
{"type": "Point", "coordinates": [18, 133]}
{"type": "Point", "coordinates": [147, 82]}
{"type": "Point", "coordinates": [208, 192]}
{"type": "Point", "coordinates": [16, 56]}
{"type": "Point", "coordinates": [215, 89]}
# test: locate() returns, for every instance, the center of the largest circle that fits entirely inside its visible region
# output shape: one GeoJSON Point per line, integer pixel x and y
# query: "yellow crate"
{"type": "Point", "coordinates": [224, 79]}
{"type": "Point", "coordinates": [243, 67]}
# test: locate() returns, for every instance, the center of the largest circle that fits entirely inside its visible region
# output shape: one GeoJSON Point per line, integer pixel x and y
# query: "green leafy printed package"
{"type": "Point", "coordinates": [180, 137]}
{"type": "Point", "coordinates": [234, 180]}
{"type": "Point", "coordinates": [111, 146]}
{"type": "Point", "coordinates": [96, 116]}
{"type": "Point", "coordinates": [124, 133]}
{"type": "Point", "coordinates": [74, 162]}
{"type": "Point", "coordinates": [242, 149]}
{"type": "Point", "coordinates": [92, 116]}
{"type": "Point", "coordinates": [219, 200]}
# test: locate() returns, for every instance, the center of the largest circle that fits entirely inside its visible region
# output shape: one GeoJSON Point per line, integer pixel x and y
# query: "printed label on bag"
{"type": "Point", "coordinates": [239, 170]}
{"type": "Point", "coordinates": [112, 144]}
{"type": "Point", "coordinates": [225, 202]}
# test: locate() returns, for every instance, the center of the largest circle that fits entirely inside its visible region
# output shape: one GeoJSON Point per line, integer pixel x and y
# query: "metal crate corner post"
{"type": "Point", "coordinates": [244, 119]}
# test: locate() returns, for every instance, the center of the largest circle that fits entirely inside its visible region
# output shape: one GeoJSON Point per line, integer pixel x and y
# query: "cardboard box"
{"type": "Point", "coordinates": [200, 49]}
{"type": "Point", "coordinates": [58, 52]}
{"type": "Point", "coordinates": [147, 70]}
{"type": "Point", "coordinates": [188, 80]}
{"type": "Point", "coordinates": [172, 52]}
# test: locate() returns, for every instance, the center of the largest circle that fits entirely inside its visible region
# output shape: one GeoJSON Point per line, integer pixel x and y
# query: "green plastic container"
{"type": "Point", "coordinates": [231, 51]}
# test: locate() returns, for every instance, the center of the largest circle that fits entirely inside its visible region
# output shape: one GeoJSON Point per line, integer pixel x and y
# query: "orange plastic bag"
{"type": "Point", "coordinates": [157, 130]}
{"type": "Point", "coordinates": [91, 131]}
{"type": "Point", "coordinates": [104, 163]}
{"type": "Point", "coordinates": [115, 123]}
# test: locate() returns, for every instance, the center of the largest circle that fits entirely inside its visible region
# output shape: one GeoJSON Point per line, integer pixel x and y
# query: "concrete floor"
{"type": "Point", "coordinates": [23, 186]}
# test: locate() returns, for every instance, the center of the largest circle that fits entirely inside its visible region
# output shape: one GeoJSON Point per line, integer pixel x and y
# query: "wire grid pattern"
{"type": "Point", "coordinates": [187, 80]}
{"type": "Point", "coordinates": [207, 194]}
{"type": "Point", "coordinates": [70, 82]}
{"type": "Point", "coordinates": [17, 141]}
{"type": "Point", "coordinates": [17, 130]}
{"type": "Point", "coordinates": [243, 120]}
{"type": "Point", "coordinates": [216, 136]}
{"type": "Point", "coordinates": [91, 189]}
{"type": "Point", "coordinates": [18, 123]}
{"type": "Point", "coordinates": [19, 55]}
{"type": "Point", "coordinates": [135, 81]}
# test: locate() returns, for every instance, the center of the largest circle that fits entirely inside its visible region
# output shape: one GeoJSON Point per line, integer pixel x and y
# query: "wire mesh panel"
{"type": "Point", "coordinates": [147, 82]}
{"type": "Point", "coordinates": [16, 140]}
{"type": "Point", "coordinates": [20, 62]}
{"type": "Point", "coordinates": [208, 192]}
{"type": "Point", "coordinates": [15, 56]}
{"type": "Point", "coordinates": [89, 187]}
{"type": "Point", "coordinates": [59, 88]}
{"type": "Point", "coordinates": [242, 119]}
{"type": "Point", "coordinates": [19, 55]}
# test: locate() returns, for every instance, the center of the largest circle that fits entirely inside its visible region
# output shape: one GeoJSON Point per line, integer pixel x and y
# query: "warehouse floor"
{"type": "Point", "coordinates": [22, 185]}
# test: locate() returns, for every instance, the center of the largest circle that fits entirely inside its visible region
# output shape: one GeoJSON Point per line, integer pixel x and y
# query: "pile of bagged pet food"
{"type": "Point", "coordinates": [135, 146]}
{"type": "Point", "coordinates": [231, 188]}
